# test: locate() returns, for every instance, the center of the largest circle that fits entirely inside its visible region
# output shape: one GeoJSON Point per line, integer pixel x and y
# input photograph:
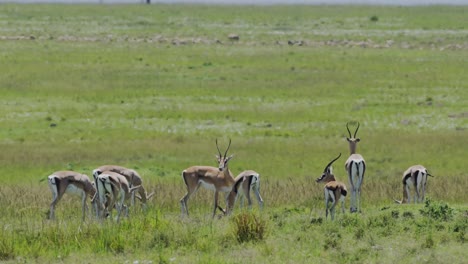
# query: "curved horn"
{"type": "Point", "coordinates": [331, 162]}
{"type": "Point", "coordinates": [219, 152]}
{"type": "Point", "coordinates": [349, 132]}
{"type": "Point", "coordinates": [225, 153]}
{"type": "Point", "coordinates": [356, 130]}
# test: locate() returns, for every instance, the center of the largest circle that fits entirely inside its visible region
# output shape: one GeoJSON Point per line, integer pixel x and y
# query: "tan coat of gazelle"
{"type": "Point", "coordinates": [114, 189]}
{"type": "Point", "coordinates": [61, 182]}
{"type": "Point", "coordinates": [246, 182]}
{"type": "Point", "coordinates": [355, 165]}
{"type": "Point", "coordinates": [218, 179]}
{"type": "Point", "coordinates": [415, 176]}
{"type": "Point", "coordinates": [334, 190]}
{"type": "Point", "coordinates": [133, 179]}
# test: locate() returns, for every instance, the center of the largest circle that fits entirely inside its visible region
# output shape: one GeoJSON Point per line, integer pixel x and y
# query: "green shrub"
{"type": "Point", "coordinates": [437, 210]}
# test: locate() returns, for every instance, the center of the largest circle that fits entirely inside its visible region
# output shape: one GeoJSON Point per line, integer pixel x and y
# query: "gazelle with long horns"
{"type": "Point", "coordinates": [417, 177]}
{"type": "Point", "coordinates": [246, 182]}
{"type": "Point", "coordinates": [61, 182]}
{"type": "Point", "coordinates": [334, 190]}
{"type": "Point", "coordinates": [218, 179]}
{"type": "Point", "coordinates": [355, 165]}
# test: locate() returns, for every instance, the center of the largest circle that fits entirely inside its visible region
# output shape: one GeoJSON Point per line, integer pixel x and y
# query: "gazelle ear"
{"type": "Point", "coordinates": [358, 139]}
{"type": "Point", "coordinates": [347, 139]}
{"type": "Point", "coordinates": [330, 170]}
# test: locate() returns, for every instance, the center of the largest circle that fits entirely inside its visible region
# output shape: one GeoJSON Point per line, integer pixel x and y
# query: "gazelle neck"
{"type": "Point", "coordinates": [228, 175]}
{"type": "Point", "coordinates": [352, 147]}
{"type": "Point", "coordinates": [330, 178]}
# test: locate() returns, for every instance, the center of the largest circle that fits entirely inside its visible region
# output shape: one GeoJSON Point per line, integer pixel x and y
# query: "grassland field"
{"type": "Point", "coordinates": [152, 87]}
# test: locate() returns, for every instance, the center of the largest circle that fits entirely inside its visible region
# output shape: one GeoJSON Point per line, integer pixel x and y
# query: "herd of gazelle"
{"type": "Point", "coordinates": [114, 185]}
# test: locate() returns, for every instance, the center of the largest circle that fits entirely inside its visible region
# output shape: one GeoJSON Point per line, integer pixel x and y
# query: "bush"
{"type": "Point", "coordinates": [437, 210]}
{"type": "Point", "coordinates": [249, 227]}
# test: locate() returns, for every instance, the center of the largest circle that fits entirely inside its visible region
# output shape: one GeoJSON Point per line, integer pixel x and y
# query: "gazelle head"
{"type": "Point", "coordinates": [353, 140]}
{"type": "Point", "coordinates": [223, 159]}
{"type": "Point", "coordinates": [327, 174]}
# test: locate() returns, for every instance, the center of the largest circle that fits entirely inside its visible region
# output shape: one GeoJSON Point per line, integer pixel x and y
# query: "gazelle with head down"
{"type": "Point", "coordinates": [356, 167]}
{"type": "Point", "coordinates": [114, 190]}
{"type": "Point", "coordinates": [61, 182]}
{"type": "Point", "coordinates": [334, 190]}
{"type": "Point", "coordinates": [133, 179]}
{"type": "Point", "coordinates": [218, 179]}
{"type": "Point", "coordinates": [415, 176]}
{"type": "Point", "coordinates": [246, 182]}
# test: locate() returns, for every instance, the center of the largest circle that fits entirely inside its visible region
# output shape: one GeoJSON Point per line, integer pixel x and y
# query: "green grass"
{"type": "Point", "coordinates": [152, 87]}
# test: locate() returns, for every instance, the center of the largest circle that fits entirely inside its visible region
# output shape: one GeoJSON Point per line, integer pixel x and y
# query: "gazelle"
{"type": "Point", "coordinates": [61, 182]}
{"type": "Point", "coordinates": [218, 179]}
{"type": "Point", "coordinates": [118, 190]}
{"type": "Point", "coordinates": [334, 190]}
{"type": "Point", "coordinates": [417, 176]}
{"type": "Point", "coordinates": [356, 167]}
{"type": "Point", "coordinates": [133, 179]}
{"type": "Point", "coordinates": [245, 182]}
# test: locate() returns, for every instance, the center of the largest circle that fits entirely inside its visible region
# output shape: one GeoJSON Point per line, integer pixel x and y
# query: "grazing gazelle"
{"type": "Point", "coordinates": [218, 179]}
{"type": "Point", "coordinates": [245, 182]}
{"type": "Point", "coordinates": [417, 176]}
{"type": "Point", "coordinates": [356, 167]}
{"type": "Point", "coordinates": [133, 178]}
{"type": "Point", "coordinates": [334, 190]}
{"type": "Point", "coordinates": [61, 182]}
{"type": "Point", "coordinates": [116, 189]}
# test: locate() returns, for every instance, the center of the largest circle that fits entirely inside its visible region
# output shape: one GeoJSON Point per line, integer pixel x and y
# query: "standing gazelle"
{"type": "Point", "coordinates": [334, 190]}
{"type": "Point", "coordinates": [217, 179]}
{"type": "Point", "coordinates": [245, 182]}
{"type": "Point", "coordinates": [356, 167]}
{"type": "Point", "coordinates": [417, 176]}
{"type": "Point", "coordinates": [61, 182]}
{"type": "Point", "coordinates": [133, 179]}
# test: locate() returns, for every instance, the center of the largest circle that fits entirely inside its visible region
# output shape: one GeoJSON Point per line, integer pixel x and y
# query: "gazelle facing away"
{"type": "Point", "coordinates": [245, 182]}
{"type": "Point", "coordinates": [417, 176]}
{"type": "Point", "coordinates": [356, 167]}
{"type": "Point", "coordinates": [115, 187]}
{"type": "Point", "coordinates": [218, 179]}
{"type": "Point", "coordinates": [334, 190]}
{"type": "Point", "coordinates": [133, 179]}
{"type": "Point", "coordinates": [61, 182]}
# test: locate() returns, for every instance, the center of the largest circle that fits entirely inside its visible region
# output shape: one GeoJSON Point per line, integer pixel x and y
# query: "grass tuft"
{"type": "Point", "coordinates": [249, 226]}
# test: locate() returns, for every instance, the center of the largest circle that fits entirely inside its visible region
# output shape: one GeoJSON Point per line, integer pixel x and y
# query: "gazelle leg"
{"type": "Point", "coordinates": [183, 201]}
{"type": "Point", "coordinates": [215, 203]}
{"type": "Point", "coordinates": [249, 200]}
{"type": "Point", "coordinates": [332, 207]}
{"type": "Point", "coordinates": [56, 196]}
{"type": "Point", "coordinates": [259, 197]}
{"type": "Point", "coordinates": [327, 196]}
{"type": "Point", "coordinates": [84, 205]}
{"type": "Point", "coordinates": [342, 199]}
{"type": "Point", "coordinates": [424, 188]}
{"type": "Point", "coordinates": [352, 182]}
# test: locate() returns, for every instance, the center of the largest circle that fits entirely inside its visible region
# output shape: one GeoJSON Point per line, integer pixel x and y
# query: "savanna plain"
{"type": "Point", "coordinates": [151, 87]}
